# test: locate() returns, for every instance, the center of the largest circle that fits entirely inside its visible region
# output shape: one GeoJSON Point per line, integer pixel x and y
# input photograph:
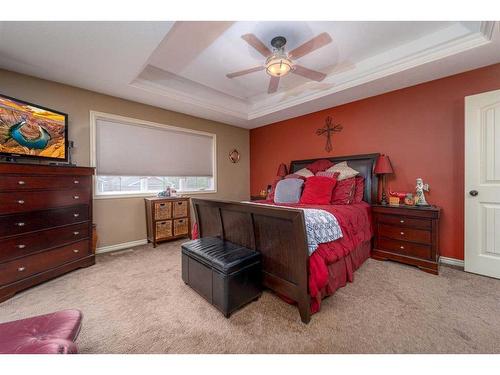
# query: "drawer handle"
{"type": "Point", "coordinates": [21, 246]}
{"type": "Point", "coordinates": [401, 221]}
{"type": "Point", "coordinates": [402, 247]}
{"type": "Point", "coordinates": [21, 269]}
{"type": "Point", "coordinates": [21, 182]}
{"type": "Point", "coordinates": [76, 233]}
{"type": "Point", "coordinates": [162, 204]}
{"type": "Point", "coordinates": [402, 233]}
{"type": "Point", "coordinates": [20, 201]}
{"type": "Point", "coordinates": [76, 182]}
{"type": "Point", "coordinates": [76, 215]}
{"type": "Point", "coordinates": [76, 197]}
{"type": "Point", "coordinates": [180, 221]}
{"type": "Point", "coordinates": [179, 203]}
{"type": "Point", "coordinates": [76, 251]}
{"type": "Point", "coordinates": [20, 224]}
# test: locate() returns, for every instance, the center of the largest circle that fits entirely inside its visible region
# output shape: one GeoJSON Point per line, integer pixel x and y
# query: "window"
{"type": "Point", "coordinates": [133, 157]}
{"type": "Point", "coordinates": [151, 184]}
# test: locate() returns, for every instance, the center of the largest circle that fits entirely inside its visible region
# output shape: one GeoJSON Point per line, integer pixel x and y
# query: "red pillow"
{"type": "Point", "coordinates": [359, 190]}
{"type": "Point", "coordinates": [344, 191]}
{"type": "Point", "coordinates": [318, 190]}
{"type": "Point", "coordinates": [319, 165]}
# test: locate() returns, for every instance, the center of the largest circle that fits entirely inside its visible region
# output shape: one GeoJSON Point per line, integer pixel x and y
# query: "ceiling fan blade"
{"type": "Point", "coordinates": [243, 72]}
{"type": "Point", "coordinates": [308, 73]}
{"type": "Point", "coordinates": [317, 42]}
{"type": "Point", "coordinates": [257, 44]}
{"type": "Point", "coordinates": [273, 85]}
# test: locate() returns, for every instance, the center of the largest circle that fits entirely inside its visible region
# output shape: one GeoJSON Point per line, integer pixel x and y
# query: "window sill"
{"type": "Point", "coordinates": [146, 195]}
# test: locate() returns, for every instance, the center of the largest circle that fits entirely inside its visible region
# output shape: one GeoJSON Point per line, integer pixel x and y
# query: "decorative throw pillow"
{"type": "Point", "coordinates": [295, 175]}
{"type": "Point", "coordinates": [344, 191]}
{"type": "Point", "coordinates": [270, 196]}
{"type": "Point", "coordinates": [360, 189]}
{"type": "Point", "coordinates": [319, 165]}
{"type": "Point", "coordinates": [304, 172]}
{"type": "Point", "coordinates": [344, 171]}
{"type": "Point", "coordinates": [288, 190]}
{"type": "Point", "coordinates": [334, 175]}
{"type": "Point", "coordinates": [318, 190]}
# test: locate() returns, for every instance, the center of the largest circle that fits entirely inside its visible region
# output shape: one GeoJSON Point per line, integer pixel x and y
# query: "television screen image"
{"type": "Point", "coordinates": [28, 130]}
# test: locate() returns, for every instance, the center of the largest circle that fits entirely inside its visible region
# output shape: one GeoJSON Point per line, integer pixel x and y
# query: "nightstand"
{"type": "Point", "coordinates": [407, 234]}
{"type": "Point", "coordinates": [257, 198]}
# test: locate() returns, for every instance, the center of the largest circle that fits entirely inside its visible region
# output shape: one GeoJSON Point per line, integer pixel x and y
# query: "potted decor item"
{"type": "Point", "coordinates": [409, 199]}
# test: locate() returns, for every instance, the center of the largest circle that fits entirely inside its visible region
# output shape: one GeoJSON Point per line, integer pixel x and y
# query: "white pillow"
{"type": "Point", "coordinates": [344, 171]}
{"type": "Point", "coordinates": [304, 172]}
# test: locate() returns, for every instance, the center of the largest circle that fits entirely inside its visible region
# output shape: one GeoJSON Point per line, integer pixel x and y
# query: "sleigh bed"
{"type": "Point", "coordinates": [279, 234]}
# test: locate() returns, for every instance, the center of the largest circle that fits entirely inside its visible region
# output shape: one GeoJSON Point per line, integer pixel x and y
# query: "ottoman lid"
{"type": "Point", "coordinates": [224, 256]}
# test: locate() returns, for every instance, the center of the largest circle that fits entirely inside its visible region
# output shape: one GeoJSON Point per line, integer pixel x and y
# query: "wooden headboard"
{"type": "Point", "coordinates": [364, 164]}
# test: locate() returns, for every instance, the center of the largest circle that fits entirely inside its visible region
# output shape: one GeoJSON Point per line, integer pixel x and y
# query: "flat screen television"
{"type": "Point", "coordinates": [31, 131]}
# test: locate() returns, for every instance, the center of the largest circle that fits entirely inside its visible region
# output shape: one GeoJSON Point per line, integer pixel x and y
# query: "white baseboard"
{"type": "Point", "coordinates": [451, 261]}
{"type": "Point", "coordinates": [120, 246]}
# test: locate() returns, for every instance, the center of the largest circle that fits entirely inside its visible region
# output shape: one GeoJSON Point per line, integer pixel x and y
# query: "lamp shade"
{"type": "Point", "coordinates": [282, 170]}
{"type": "Point", "coordinates": [383, 165]}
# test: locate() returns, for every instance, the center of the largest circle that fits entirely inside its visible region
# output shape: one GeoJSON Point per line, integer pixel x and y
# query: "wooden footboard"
{"type": "Point", "coordinates": [277, 233]}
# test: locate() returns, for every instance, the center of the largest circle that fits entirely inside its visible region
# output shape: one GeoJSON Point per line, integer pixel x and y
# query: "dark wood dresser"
{"type": "Point", "coordinates": [407, 234]}
{"type": "Point", "coordinates": [45, 223]}
{"type": "Point", "coordinates": [167, 219]}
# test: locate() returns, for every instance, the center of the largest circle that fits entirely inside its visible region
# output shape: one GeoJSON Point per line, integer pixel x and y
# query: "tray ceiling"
{"type": "Point", "coordinates": [182, 66]}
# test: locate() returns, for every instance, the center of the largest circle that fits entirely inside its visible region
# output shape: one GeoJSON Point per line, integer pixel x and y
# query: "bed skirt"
{"type": "Point", "coordinates": [341, 272]}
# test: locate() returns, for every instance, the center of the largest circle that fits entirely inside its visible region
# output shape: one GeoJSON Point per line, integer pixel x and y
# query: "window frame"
{"type": "Point", "coordinates": [95, 115]}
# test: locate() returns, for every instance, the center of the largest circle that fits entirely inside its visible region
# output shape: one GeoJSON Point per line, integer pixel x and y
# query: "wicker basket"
{"type": "Point", "coordinates": [180, 209]}
{"type": "Point", "coordinates": [163, 210]}
{"type": "Point", "coordinates": [181, 227]}
{"type": "Point", "coordinates": [163, 229]}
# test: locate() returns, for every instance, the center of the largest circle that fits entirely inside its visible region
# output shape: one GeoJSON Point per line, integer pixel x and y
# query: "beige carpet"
{"type": "Point", "coordinates": [136, 302]}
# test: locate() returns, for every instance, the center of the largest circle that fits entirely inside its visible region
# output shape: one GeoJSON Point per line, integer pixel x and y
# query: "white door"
{"type": "Point", "coordinates": [482, 183]}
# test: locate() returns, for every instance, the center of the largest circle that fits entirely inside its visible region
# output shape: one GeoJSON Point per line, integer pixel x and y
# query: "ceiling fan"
{"type": "Point", "coordinates": [279, 62]}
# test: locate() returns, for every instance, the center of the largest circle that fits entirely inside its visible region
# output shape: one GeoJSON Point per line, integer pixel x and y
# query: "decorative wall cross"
{"type": "Point", "coordinates": [327, 130]}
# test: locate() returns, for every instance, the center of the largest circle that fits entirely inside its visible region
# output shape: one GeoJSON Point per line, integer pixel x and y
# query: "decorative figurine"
{"type": "Point", "coordinates": [420, 188]}
{"type": "Point", "coordinates": [165, 193]}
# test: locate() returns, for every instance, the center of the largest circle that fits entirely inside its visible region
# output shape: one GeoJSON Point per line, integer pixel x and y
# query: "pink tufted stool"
{"type": "Point", "coordinates": [53, 333]}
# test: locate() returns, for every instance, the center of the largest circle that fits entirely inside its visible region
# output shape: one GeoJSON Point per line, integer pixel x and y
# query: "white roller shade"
{"type": "Point", "coordinates": [124, 149]}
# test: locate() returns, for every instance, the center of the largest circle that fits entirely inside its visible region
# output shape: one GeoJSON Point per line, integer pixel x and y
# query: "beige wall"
{"type": "Point", "coordinates": [123, 220]}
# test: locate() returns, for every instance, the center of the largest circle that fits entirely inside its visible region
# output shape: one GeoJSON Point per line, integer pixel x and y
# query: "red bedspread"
{"type": "Point", "coordinates": [356, 224]}
{"type": "Point", "coordinates": [355, 221]}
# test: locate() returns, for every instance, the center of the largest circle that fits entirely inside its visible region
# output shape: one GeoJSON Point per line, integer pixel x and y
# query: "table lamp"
{"type": "Point", "coordinates": [383, 167]}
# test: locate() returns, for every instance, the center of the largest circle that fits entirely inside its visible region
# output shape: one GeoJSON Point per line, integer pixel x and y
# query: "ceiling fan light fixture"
{"type": "Point", "coordinates": [278, 65]}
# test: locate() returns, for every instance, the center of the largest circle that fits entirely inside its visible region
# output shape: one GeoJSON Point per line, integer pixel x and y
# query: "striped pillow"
{"type": "Point", "coordinates": [344, 170]}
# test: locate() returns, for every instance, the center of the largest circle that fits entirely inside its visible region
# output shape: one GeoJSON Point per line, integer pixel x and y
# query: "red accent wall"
{"type": "Point", "coordinates": [421, 129]}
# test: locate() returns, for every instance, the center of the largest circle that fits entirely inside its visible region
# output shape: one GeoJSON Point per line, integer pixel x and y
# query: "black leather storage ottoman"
{"type": "Point", "coordinates": [225, 274]}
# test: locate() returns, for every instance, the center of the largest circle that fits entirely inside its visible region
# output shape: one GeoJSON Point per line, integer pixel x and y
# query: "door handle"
{"type": "Point", "coordinates": [474, 193]}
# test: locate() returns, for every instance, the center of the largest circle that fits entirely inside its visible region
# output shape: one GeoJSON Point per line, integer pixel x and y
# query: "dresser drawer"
{"type": "Point", "coordinates": [405, 221]}
{"type": "Point", "coordinates": [163, 210]}
{"type": "Point", "coordinates": [20, 182]}
{"type": "Point", "coordinates": [39, 200]}
{"type": "Point", "coordinates": [11, 225]}
{"type": "Point", "coordinates": [181, 227]}
{"type": "Point", "coordinates": [30, 265]}
{"type": "Point", "coordinates": [180, 208]}
{"type": "Point", "coordinates": [404, 234]}
{"type": "Point", "coordinates": [19, 246]}
{"type": "Point", "coordinates": [163, 229]}
{"type": "Point", "coordinates": [405, 248]}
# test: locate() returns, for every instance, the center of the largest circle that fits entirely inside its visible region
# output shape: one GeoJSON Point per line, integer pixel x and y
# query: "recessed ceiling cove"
{"type": "Point", "coordinates": [249, 73]}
